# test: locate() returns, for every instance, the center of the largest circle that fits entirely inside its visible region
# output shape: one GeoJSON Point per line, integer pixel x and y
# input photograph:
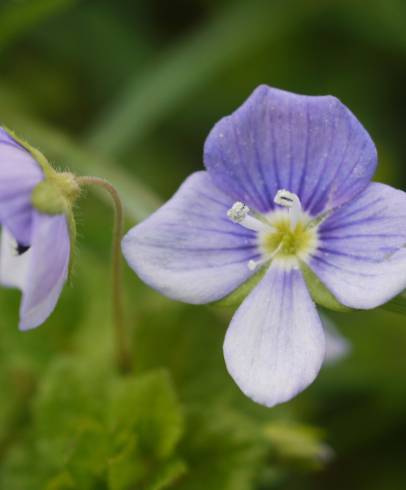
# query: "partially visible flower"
{"type": "Point", "coordinates": [286, 205]}
{"type": "Point", "coordinates": [37, 227]}
{"type": "Point", "coordinates": [337, 346]}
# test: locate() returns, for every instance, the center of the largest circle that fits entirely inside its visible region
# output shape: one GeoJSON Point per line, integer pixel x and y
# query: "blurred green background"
{"type": "Point", "coordinates": [128, 91]}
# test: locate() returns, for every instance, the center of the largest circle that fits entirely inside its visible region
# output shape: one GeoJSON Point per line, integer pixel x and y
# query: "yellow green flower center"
{"type": "Point", "coordinates": [286, 239]}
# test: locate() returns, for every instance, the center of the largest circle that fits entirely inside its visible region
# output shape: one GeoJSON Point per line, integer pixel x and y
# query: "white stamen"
{"type": "Point", "coordinates": [292, 202]}
{"type": "Point", "coordinates": [239, 213]}
{"type": "Point", "coordinates": [253, 265]}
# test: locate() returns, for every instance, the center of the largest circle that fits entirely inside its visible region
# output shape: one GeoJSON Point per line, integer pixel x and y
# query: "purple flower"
{"type": "Point", "coordinates": [35, 245]}
{"type": "Point", "coordinates": [286, 203]}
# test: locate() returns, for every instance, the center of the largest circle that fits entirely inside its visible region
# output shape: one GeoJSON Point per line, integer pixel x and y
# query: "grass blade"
{"type": "Point", "coordinates": [185, 67]}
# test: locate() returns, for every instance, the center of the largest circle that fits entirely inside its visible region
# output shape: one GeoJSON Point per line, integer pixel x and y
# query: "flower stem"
{"type": "Point", "coordinates": [122, 342]}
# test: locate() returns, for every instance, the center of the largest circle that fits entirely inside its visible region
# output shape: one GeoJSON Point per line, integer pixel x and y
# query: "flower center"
{"type": "Point", "coordinates": [286, 240]}
{"type": "Point", "coordinates": [286, 235]}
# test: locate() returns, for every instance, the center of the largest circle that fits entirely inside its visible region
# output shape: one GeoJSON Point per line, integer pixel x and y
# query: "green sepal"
{"type": "Point", "coordinates": [56, 194]}
{"type": "Point", "coordinates": [47, 198]}
{"type": "Point", "coordinates": [319, 292]}
{"type": "Point", "coordinates": [238, 295]}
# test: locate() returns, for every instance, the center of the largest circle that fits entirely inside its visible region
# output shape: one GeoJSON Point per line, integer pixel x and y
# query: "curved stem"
{"type": "Point", "coordinates": [123, 351]}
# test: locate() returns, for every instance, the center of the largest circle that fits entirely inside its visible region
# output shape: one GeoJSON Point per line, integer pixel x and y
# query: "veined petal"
{"type": "Point", "coordinates": [47, 271]}
{"type": "Point", "coordinates": [362, 254]}
{"type": "Point", "coordinates": [189, 250]}
{"type": "Point", "coordinates": [311, 146]}
{"type": "Point", "coordinates": [274, 346]}
{"type": "Point", "coordinates": [19, 174]}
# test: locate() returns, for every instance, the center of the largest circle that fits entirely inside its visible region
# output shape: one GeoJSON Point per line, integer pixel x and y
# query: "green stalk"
{"type": "Point", "coordinates": [122, 342]}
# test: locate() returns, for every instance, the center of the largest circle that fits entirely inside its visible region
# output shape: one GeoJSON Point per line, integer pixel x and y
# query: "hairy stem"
{"type": "Point", "coordinates": [122, 342]}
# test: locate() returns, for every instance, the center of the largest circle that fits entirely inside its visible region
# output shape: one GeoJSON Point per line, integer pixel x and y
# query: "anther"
{"type": "Point", "coordinates": [239, 213]}
{"type": "Point", "coordinates": [291, 201]}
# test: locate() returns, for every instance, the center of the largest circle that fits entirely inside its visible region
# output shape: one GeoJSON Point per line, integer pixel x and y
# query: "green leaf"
{"type": "Point", "coordinates": [168, 474]}
{"type": "Point", "coordinates": [63, 481]}
{"type": "Point", "coordinates": [148, 406]}
{"type": "Point", "coordinates": [86, 457]}
{"type": "Point", "coordinates": [129, 469]}
{"type": "Point", "coordinates": [146, 423]}
{"type": "Point", "coordinates": [68, 423]}
{"type": "Point", "coordinates": [126, 468]}
{"type": "Point", "coordinates": [66, 396]}
{"type": "Point", "coordinates": [223, 449]}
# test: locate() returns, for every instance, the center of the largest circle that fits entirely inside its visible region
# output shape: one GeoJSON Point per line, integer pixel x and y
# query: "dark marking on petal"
{"type": "Point", "coordinates": [21, 249]}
